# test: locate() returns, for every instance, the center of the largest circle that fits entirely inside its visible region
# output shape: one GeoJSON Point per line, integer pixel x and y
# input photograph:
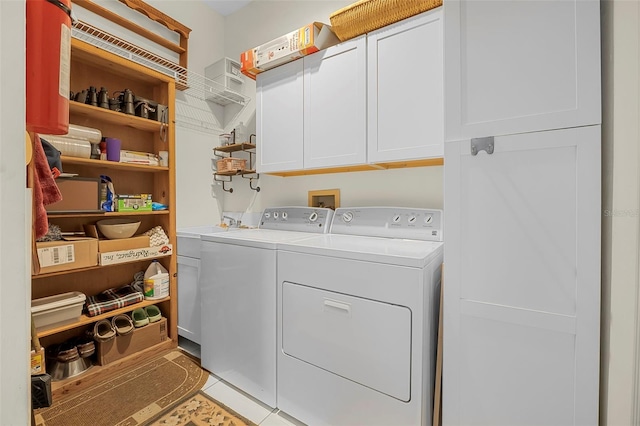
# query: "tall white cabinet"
{"type": "Point", "coordinates": [522, 213]}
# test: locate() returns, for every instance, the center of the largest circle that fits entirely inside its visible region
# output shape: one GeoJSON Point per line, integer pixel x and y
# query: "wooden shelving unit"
{"type": "Point", "coordinates": [91, 66]}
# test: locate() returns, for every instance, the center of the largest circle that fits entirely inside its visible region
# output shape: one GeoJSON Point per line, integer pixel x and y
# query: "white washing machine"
{"type": "Point", "coordinates": [238, 297]}
{"type": "Point", "coordinates": [357, 319]}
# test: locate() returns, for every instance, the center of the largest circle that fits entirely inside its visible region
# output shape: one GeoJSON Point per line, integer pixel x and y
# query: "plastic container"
{"type": "Point", "coordinates": [57, 310]}
{"type": "Point", "coordinates": [240, 133]}
{"type": "Point", "coordinates": [156, 281]}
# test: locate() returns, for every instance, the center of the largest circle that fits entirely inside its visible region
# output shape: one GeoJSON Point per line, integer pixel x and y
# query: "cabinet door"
{"type": "Point", "coordinates": [189, 298]}
{"type": "Point", "coordinates": [520, 66]}
{"type": "Point", "coordinates": [405, 114]}
{"type": "Point", "coordinates": [279, 95]}
{"type": "Point", "coordinates": [335, 127]}
{"type": "Point", "coordinates": [522, 294]}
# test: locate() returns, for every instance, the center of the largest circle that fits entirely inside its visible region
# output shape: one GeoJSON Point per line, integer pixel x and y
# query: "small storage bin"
{"type": "Point", "coordinates": [365, 16]}
{"type": "Point", "coordinates": [56, 310]}
{"type": "Point", "coordinates": [231, 165]}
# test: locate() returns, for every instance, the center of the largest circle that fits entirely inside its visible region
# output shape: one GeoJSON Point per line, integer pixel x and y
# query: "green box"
{"type": "Point", "coordinates": [134, 203]}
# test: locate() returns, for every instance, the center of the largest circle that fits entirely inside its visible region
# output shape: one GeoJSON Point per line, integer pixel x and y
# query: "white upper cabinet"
{"type": "Point", "coordinates": [335, 126]}
{"type": "Point", "coordinates": [405, 66]}
{"type": "Point", "coordinates": [279, 118]}
{"type": "Point", "coordinates": [520, 66]}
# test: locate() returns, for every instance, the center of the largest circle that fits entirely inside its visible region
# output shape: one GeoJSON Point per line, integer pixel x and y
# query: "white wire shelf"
{"type": "Point", "coordinates": [197, 88]}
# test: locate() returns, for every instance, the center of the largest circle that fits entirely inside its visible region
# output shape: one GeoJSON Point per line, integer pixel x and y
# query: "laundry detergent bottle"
{"type": "Point", "coordinates": [156, 281]}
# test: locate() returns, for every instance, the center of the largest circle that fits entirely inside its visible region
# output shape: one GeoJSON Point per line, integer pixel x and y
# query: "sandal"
{"type": "Point", "coordinates": [122, 324]}
{"type": "Point", "coordinates": [103, 331]}
{"type": "Point", "coordinates": [153, 312]}
{"type": "Point", "coordinates": [140, 317]}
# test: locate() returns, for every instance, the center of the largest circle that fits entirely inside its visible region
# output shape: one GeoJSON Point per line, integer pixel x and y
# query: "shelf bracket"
{"type": "Point", "coordinates": [223, 181]}
{"type": "Point", "coordinates": [257, 188]}
{"type": "Point", "coordinates": [230, 190]}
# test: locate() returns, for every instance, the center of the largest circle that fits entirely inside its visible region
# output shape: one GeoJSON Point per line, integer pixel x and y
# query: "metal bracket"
{"type": "Point", "coordinates": [482, 144]}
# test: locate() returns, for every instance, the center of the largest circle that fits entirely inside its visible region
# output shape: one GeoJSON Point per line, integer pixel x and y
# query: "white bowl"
{"type": "Point", "coordinates": [114, 229]}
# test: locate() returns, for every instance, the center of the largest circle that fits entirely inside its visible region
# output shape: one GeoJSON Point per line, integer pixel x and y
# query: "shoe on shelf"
{"type": "Point", "coordinates": [85, 345]}
{"type": "Point", "coordinates": [103, 330]}
{"type": "Point", "coordinates": [153, 312]}
{"type": "Point", "coordinates": [122, 324]}
{"type": "Point", "coordinates": [140, 317]}
{"type": "Point", "coordinates": [67, 353]}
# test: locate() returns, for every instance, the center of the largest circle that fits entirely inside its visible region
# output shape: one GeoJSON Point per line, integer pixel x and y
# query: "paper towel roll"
{"type": "Point", "coordinates": [69, 146]}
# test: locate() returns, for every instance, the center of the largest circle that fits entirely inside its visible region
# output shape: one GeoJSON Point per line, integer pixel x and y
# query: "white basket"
{"type": "Point", "coordinates": [57, 310]}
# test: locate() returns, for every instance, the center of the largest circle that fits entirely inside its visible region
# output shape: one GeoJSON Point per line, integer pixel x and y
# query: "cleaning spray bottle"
{"type": "Point", "coordinates": [156, 281]}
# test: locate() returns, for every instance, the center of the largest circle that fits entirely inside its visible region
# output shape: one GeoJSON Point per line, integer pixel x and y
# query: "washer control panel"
{"type": "Point", "coordinates": [303, 219]}
{"type": "Point", "coordinates": [389, 222]}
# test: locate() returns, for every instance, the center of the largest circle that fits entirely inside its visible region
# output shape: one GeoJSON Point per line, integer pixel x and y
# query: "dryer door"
{"type": "Point", "coordinates": [362, 340]}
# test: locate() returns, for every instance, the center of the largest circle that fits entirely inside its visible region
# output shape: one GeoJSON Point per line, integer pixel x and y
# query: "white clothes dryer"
{"type": "Point", "coordinates": [238, 297]}
{"type": "Point", "coordinates": [357, 319]}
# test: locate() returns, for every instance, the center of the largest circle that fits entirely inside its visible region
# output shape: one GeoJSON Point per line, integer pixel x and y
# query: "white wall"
{"type": "Point", "coordinates": [620, 224]}
{"type": "Point", "coordinates": [194, 149]}
{"type": "Point", "coordinates": [15, 226]}
{"type": "Point", "coordinates": [262, 21]}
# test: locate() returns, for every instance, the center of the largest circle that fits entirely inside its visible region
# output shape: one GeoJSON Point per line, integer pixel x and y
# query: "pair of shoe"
{"type": "Point", "coordinates": [73, 349]}
{"type": "Point", "coordinates": [120, 325]}
{"type": "Point", "coordinates": [146, 315]}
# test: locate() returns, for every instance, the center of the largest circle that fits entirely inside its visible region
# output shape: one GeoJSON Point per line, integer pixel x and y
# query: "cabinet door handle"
{"type": "Point", "coordinates": [346, 307]}
{"type": "Point", "coordinates": [482, 144]}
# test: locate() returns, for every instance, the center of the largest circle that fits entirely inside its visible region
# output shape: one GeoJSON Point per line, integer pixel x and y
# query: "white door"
{"type": "Point", "coordinates": [522, 293]}
{"type": "Point", "coordinates": [520, 66]}
{"type": "Point", "coordinates": [279, 118]}
{"type": "Point", "coordinates": [405, 114]}
{"type": "Point", "coordinates": [335, 102]}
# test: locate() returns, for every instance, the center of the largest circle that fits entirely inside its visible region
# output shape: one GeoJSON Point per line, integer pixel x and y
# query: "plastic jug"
{"type": "Point", "coordinates": [156, 281]}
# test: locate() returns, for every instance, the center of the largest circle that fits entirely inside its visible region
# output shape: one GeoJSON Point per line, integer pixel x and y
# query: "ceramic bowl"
{"type": "Point", "coordinates": [118, 228]}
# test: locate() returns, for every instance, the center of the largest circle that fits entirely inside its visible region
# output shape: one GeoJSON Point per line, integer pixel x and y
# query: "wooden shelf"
{"type": "Point", "coordinates": [91, 268]}
{"type": "Point", "coordinates": [112, 164]}
{"type": "Point", "coordinates": [98, 373]}
{"type": "Point", "coordinates": [55, 215]}
{"type": "Point", "coordinates": [235, 147]}
{"type": "Point", "coordinates": [115, 117]}
{"type": "Point", "coordinates": [236, 173]}
{"type": "Point", "coordinates": [84, 319]}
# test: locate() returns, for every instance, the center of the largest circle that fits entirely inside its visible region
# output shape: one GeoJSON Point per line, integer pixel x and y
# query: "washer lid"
{"type": "Point", "coordinates": [411, 253]}
{"type": "Point", "coordinates": [262, 238]}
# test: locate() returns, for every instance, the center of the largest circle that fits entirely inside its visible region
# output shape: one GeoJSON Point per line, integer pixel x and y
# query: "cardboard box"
{"type": "Point", "coordinates": [78, 195]}
{"type": "Point", "coordinates": [70, 253]}
{"type": "Point", "coordinates": [113, 257]}
{"type": "Point", "coordinates": [303, 41]}
{"type": "Point", "coordinates": [105, 245]}
{"type": "Point", "coordinates": [134, 203]}
{"type": "Point", "coordinates": [38, 362]}
{"type": "Point", "coordinates": [122, 346]}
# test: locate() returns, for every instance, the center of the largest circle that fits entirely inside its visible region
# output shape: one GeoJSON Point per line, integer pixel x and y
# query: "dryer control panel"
{"type": "Point", "coordinates": [303, 219]}
{"type": "Point", "coordinates": [389, 222]}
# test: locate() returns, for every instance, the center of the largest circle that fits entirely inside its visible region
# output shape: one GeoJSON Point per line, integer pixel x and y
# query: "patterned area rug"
{"type": "Point", "coordinates": [132, 397]}
{"type": "Point", "coordinates": [199, 409]}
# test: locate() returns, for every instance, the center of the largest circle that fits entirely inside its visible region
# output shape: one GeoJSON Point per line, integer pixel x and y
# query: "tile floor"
{"type": "Point", "coordinates": [238, 401]}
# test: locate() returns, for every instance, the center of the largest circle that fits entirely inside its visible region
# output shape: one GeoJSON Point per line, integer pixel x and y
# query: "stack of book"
{"type": "Point", "coordinates": [138, 157]}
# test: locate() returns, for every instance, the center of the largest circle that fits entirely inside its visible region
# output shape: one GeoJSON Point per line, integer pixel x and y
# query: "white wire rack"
{"type": "Point", "coordinates": [193, 112]}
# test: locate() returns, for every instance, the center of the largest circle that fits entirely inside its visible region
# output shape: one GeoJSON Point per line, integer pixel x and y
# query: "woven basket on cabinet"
{"type": "Point", "coordinates": [367, 15]}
